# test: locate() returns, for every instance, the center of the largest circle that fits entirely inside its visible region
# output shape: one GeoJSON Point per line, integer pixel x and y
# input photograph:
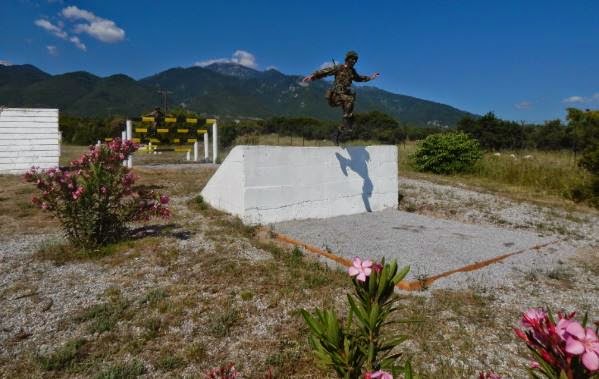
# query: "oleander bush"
{"type": "Point", "coordinates": [95, 197]}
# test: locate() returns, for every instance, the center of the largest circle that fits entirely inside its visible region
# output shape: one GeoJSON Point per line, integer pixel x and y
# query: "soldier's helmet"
{"type": "Point", "coordinates": [351, 54]}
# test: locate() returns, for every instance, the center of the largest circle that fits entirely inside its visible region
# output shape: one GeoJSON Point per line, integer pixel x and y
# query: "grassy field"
{"type": "Point", "coordinates": [543, 177]}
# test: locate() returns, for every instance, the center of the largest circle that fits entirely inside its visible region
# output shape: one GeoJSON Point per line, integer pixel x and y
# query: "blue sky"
{"type": "Point", "coordinates": [524, 60]}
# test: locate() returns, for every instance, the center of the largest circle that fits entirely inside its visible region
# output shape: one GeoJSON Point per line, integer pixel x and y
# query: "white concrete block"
{"type": "Point", "coordinates": [266, 184]}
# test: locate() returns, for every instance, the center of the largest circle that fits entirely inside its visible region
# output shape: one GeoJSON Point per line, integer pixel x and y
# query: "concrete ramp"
{"type": "Point", "coordinates": [266, 184]}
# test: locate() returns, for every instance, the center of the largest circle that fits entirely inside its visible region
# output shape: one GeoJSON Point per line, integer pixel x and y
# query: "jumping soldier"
{"type": "Point", "coordinates": [341, 93]}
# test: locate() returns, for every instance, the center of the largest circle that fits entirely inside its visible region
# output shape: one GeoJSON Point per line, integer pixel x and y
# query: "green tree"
{"type": "Point", "coordinates": [585, 125]}
{"type": "Point", "coordinates": [494, 133]}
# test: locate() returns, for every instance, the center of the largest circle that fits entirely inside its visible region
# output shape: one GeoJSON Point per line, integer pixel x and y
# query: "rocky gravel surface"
{"type": "Point", "coordinates": [36, 296]}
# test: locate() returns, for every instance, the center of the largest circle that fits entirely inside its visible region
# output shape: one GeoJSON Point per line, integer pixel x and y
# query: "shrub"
{"type": "Point", "coordinates": [360, 348]}
{"type": "Point", "coordinates": [95, 197]}
{"type": "Point", "coordinates": [447, 153]}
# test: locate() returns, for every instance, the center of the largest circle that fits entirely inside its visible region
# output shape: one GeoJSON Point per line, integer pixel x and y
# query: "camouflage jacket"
{"type": "Point", "coordinates": [343, 77]}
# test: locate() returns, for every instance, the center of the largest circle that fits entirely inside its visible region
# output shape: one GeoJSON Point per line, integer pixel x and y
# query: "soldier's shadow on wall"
{"type": "Point", "coordinates": [358, 163]}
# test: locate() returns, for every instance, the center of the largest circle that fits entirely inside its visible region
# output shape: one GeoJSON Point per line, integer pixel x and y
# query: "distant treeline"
{"type": "Point", "coordinates": [372, 126]}
{"type": "Point", "coordinates": [492, 132]}
{"type": "Point", "coordinates": [88, 130]}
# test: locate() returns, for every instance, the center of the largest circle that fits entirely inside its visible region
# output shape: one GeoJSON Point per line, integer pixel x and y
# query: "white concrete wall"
{"type": "Point", "coordinates": [28, 137]}
{"type": "Point", "coordinates": [265, 184]}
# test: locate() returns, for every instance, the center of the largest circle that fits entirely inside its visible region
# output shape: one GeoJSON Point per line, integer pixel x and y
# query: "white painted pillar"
{"type": "Point", "coordinates": [98, 143]}
{"type": "Point", "coordinates": [123, 139]}
{"type": "Point", "coordinates": [187, 155]}
{"type": "Point", "coordinates": [214, 143]}
{"type": "Point", "coordinates": [129, 137]}
{"type": "Point", "coordinates": [206, 147]}
{"type": "Point", "coordinates": [195, 151]}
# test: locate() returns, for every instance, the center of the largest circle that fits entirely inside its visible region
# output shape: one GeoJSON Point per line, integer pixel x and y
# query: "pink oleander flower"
{"type": "Point", "coordinates": [533, 317]}
{"type": "Point", "coordinates": [585, 343]}
{"type": "Point", "coordinates": [378, 375]}
{"type": "Point", "coordinates": [534, 365]}
{"type": "Point", "coordinates": [360, 269]}
{"type": "Point", "coordinates": [163, 199]}
{"type": "Point", "coordinates": [489, 375]}
{"type": "Point", "coordinates": [377, 267]}
{"type": "Point", "coordinates": [78, 193]}
{"type": "Point", "coordinates": [562, 327]}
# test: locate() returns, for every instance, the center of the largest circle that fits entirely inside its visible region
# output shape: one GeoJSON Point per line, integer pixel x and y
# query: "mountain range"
{"type": "Point", "coordinates": [220, 89]}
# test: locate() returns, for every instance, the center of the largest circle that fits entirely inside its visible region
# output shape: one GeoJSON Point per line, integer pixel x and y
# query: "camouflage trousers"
{"type": "Point", "coordinates": [346, 101]}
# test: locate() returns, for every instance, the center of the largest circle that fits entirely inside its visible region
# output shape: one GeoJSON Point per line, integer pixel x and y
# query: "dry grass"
{"type": "Point", "coordinates": [69, 153]}
{"type": "Point", "coordinates": [219, 304]}
{"type": "Point", "coordinates": [545, 179]}
{"type": "Point", "coordinates": [17, 213]}
{"type": "Point", "coordinates": [205, 290]}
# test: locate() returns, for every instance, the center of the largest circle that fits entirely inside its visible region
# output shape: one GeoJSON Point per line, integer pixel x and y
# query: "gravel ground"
{"type": "Point", "coordinates": [473, 207]}
{"type": "Point", "coordinates": [439, 227]}
{"type": "Point", "coordinates": [450, 227]}
{"type": "Point", "coordinates": [429, 245]}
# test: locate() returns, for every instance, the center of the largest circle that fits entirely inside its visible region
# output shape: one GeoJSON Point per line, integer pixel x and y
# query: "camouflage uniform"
{"type": "Point", "coordinates": [341, 93]}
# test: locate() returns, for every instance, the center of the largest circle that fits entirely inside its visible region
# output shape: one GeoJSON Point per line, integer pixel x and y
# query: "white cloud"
{"type": "Point", "coordinates": [74, 13]}
{"type": "Point", "coordinates": [5, 63]}
{"type": "Point", "coordinates": [582, 100]}
{"type": "Point", "coordinates": [574, 99]}
{"type": "Point", "coordinates": [244, 58]}
{"type": "Point", "coordinates": [52, 50]}
{"type": "Point", "coordinates": [326, 64]}
{"type": "Point", "coordinates": [59, 32]}
{"type": "Point", "coordinates": [240, 57]}
{"type": "Point", "coordinates": [77, 42]}
{"type": "Point", "coordinates": [208, 62]}
{"type": "Point", "coordinates": [50, 27]}
{"type": "Point", "coordinates": [524, 105]}
{"type": "Point", "coordinates": [97, 27]}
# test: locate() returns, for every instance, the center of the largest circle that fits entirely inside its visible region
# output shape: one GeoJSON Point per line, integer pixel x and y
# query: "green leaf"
{"type": "Point", "coordinates": [312, 323]}
{"type": "Point", "coordinates": [401, 274]}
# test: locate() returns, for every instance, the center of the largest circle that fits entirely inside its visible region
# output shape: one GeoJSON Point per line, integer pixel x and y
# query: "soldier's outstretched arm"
{"type": "Point", "coordinates": [327, 71]}
{"type": "Point", "coordinates": [364, 78]}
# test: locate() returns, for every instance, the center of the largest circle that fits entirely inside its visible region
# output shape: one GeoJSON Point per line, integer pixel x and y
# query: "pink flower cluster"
{"type": "Point", "coordinates": [378, 375]}
{"type": "Point", "coordinates": [96, 187]}
{"type": "Point", "coordinates": [112, 154]}
{"type": "Point", "coordinates": [52, 183]}
{"type": "Point", "coordinates": [489, 375]}
{"type": "Point", "coordinates": [362, 269]}
{"type": "Point", "coordinates": [224, 372]}
{"type": "Point", "coordinates": [562, 345]}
